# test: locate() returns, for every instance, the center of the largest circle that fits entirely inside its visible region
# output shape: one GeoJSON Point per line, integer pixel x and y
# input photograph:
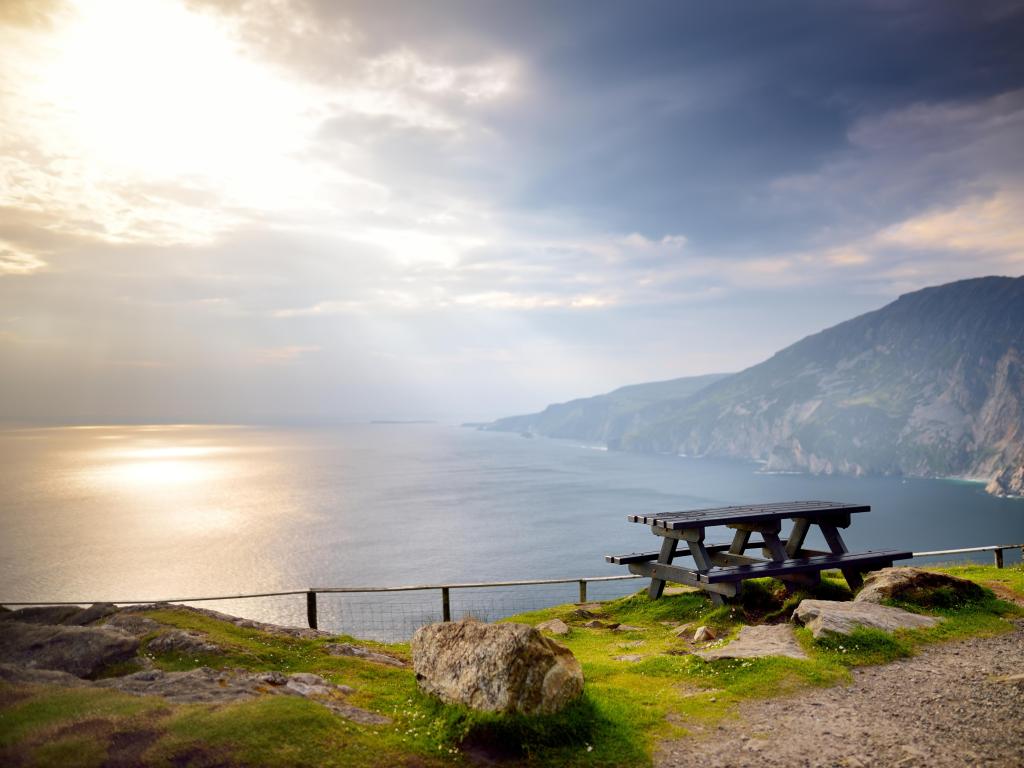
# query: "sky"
{"type": "Point", "coordinates": [316, 210]}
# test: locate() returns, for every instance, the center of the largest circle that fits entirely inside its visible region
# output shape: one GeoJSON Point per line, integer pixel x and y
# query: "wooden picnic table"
{"type": "Point", "coordinates": [721, 568]}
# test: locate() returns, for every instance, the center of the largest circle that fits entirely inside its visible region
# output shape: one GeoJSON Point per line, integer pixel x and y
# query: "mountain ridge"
{"type": "Point", "coordinates": [930, 385]}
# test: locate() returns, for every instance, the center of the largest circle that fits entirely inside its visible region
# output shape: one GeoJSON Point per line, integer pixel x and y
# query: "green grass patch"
{"type": "Point", "coordinates": [627, 707]}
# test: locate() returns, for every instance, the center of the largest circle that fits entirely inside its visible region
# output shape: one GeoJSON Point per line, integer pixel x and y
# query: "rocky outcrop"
{"type": "Point", "coordinates": [914, 585]}
{"type": "Point", "coordinates": [1009, 482]}
{"type": "Point", "coordinates": [824, 617]}
{"type": "Point", "coordinates": [359, 652]}
{"type": "Point", "coordinates": [179, 641]}
{"type": "Point", "coordinates": [758, 641]}
{"type": "Point", "coordinates": [80, 651]}
{"type": "Point", "coordinates": [506, 668]}
{"type": "Point", "coordinates": [71, 615]}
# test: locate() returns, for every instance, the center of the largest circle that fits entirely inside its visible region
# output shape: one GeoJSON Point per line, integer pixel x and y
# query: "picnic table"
{"type": "Point", "coordinates": [720, 569]}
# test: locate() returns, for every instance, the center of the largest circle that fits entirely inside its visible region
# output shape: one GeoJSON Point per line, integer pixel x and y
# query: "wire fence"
{"type": "Point", "coordinates": [393, 614]}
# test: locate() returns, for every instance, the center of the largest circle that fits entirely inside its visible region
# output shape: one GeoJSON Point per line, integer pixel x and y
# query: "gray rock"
{"type": "Point", "coordinates": [205, 685]}
{"type": "Point", "coordinates": [17, 674]}
{"type": "Point", "coordinates": [841, 618]}
{"type": "Point", "coordinates": [81, 651]}
{"type": "Point", "coordinates": [179, 641]}
{"type": "Point", "coordinates": [132, 624]}
{"type": "Point", "coordinates": [94, 612]}
{"type": "Point", "coordinates": [495, 667]}
{"type": "Point", "coordinates": [758, 641]}
{"type": "Point", "coordinates": [554, 626]}
{"type": "Point", "coordinates": [273, 629]}
{"type": "Point", "coordinates": [358, 652]}
{"type": "Point", "coordinates": [704, 635]}
{"type": "Point", "coordinates": [683, 630]}
{"type": "Point", "coordinates": [915, 585]}
{"type": "Point", "coordinates": [631, 657]}
{"type": "Point", "coordinates": [43, 614]}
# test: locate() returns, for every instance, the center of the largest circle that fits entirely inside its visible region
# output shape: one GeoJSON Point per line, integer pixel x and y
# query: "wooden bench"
{"type": "Point", "coordinates": [824, 562]}
{"type": "Point", "coordinates": [721, 568]}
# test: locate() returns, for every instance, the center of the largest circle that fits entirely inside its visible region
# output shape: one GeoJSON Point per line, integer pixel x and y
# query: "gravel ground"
{"type": "Point", "coordinates": [943, 707]}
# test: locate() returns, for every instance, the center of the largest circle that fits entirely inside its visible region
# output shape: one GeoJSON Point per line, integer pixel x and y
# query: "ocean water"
{"type": "Point", "coordinates": [150, 512]}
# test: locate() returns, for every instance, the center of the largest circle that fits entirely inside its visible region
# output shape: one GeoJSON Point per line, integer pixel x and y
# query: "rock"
{"type": "Point", "coordinates": [583, 613]}
{"type": "Point", "coordinates": [357, 651]}
{"type": "Point", "coordinates": [16, 674]}
{"type": "Point", "coordinates": [205, 685]}
{"type": "Point", "coordinates": [914, 585]}
{"type": "Point", "coordinates": [596, 624]}
{"type": "Point", "coordinates": [93, 613]}
{"type": "Point", "coordinates": [683, 630]}
{"type": "Point", "coordinates": [81, 651]}
{"type": "Point", "coordinates": [273, 629]}
{"type": "Point", "coordinates": [137, 626]}
{"type": "Point", "coordinates": [43, 614]}
{"type": "Point", "coordinates": [554, 626]}
{"type": "Point", "coordinates": [633, 657]}
{"type": "Point", "coordinates": [758, 641]}
{"type": "Point", "coordinates": [704, 635]}
{"type": "Point", "coordinates": [628, 628]}
{"type": "Point", "coordinates": [841, 618]}
{"type": "Point", "coordinates": [495, 667]}
{"type": "Point", "coordinates": [179, 641]}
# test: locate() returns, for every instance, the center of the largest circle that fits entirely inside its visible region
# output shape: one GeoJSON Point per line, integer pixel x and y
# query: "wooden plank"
{"type": "Point", "coordinates": [774, 547]}
{"type": "Point", "coordinates": [835, 542]}
{"type": "Point", "coordinates": [804, 565]}
{"type": "Point", "coordinates": [740, 540]}
{"type": "Point", "coordinates": [679, 575]}
{"type": "Point", "coordinates": [713, 549]}
{"type": "Point", "coordinates": [668, 551]}
{"type": "Point", "coordinates": [801, 526]}
{"type": "Point", "coordinates": [749, 513]}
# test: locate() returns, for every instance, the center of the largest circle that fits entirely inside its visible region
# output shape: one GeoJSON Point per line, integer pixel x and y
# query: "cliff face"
{"type": "Point", "coordinates": [930, 385]}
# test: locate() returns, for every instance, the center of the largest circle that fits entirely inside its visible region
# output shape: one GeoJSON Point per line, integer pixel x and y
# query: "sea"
{"type": "Point", "coordinates": [146, 513]}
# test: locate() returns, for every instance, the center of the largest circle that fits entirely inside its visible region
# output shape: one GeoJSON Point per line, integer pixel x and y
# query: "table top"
{"type": "Point", "coordinates": [700, 518]}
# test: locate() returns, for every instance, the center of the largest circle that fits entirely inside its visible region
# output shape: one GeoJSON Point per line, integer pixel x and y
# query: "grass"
{"type": "Point", "coordinates": [628, 705]}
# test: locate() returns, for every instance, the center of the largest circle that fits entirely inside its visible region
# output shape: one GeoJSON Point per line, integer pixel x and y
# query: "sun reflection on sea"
{"type": "Point", "coordinates": [177, 482]}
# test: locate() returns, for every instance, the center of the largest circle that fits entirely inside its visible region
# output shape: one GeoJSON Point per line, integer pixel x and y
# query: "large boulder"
{"type": "Point", "coordinates": [81, 651]}
{"type": "Point", "coordinates": [914, 585]}
{"type": "Point", "coordinates": [503, 668]}
{"type": "Point", "coordinates": [824, 617]}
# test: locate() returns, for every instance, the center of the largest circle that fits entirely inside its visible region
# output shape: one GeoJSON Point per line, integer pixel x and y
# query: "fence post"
{"type": "Point", "coordinates": [446, 606]}
{"type": "Point", "coordinates": [999, 557]}
{"type": "Point", "coordinates": [583, 590]}
{"type": "Point", "coordinates": [311, 609]}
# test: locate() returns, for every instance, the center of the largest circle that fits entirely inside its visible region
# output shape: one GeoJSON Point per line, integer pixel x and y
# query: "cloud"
{"type": "Point", "coordinates": [986, 225]}
{"type": "Point", "coordinates": [283, 355]}
{"type": "Point", "coordinates": [14, 261]}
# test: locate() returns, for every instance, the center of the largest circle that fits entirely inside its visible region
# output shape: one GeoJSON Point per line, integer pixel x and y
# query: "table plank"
{"type": "Point", "coordinates": [699, 518]}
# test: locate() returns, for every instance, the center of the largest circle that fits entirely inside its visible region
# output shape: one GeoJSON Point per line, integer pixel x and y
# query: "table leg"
{"type": "Point", "coordinates": [739, 542]}
{"type": "Point", "coordinates": [668, 551]}
{"type": "Point", "coordinates": [838, 547]}
{"type": "Point", "coordinates": [703, 561]}
{"type": "Point", "coordinates": [797, 536]}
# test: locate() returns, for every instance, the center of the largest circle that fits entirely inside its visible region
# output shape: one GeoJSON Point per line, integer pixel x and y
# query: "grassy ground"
{"type": "Point", "coordinates": [628, 704]}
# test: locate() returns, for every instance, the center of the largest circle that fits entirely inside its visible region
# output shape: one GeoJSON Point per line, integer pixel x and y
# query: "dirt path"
{"type": "Point", "coordinates": [944, 707]}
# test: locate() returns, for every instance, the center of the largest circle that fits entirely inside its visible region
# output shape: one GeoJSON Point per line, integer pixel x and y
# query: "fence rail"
{"type": "Point", "coordinates": [445, 589]}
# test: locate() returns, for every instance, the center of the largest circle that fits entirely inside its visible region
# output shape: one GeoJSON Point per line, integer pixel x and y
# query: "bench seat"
{"type": "Point", "coordinates": [815, 564]}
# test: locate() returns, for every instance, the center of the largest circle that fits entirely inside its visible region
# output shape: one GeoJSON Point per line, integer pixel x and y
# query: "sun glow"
{"type": "Point", "coordinates": [150, 94]}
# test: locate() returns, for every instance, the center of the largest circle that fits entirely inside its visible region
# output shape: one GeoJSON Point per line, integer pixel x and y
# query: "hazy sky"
{"type": "Point", "coordinates": [253, 210]}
